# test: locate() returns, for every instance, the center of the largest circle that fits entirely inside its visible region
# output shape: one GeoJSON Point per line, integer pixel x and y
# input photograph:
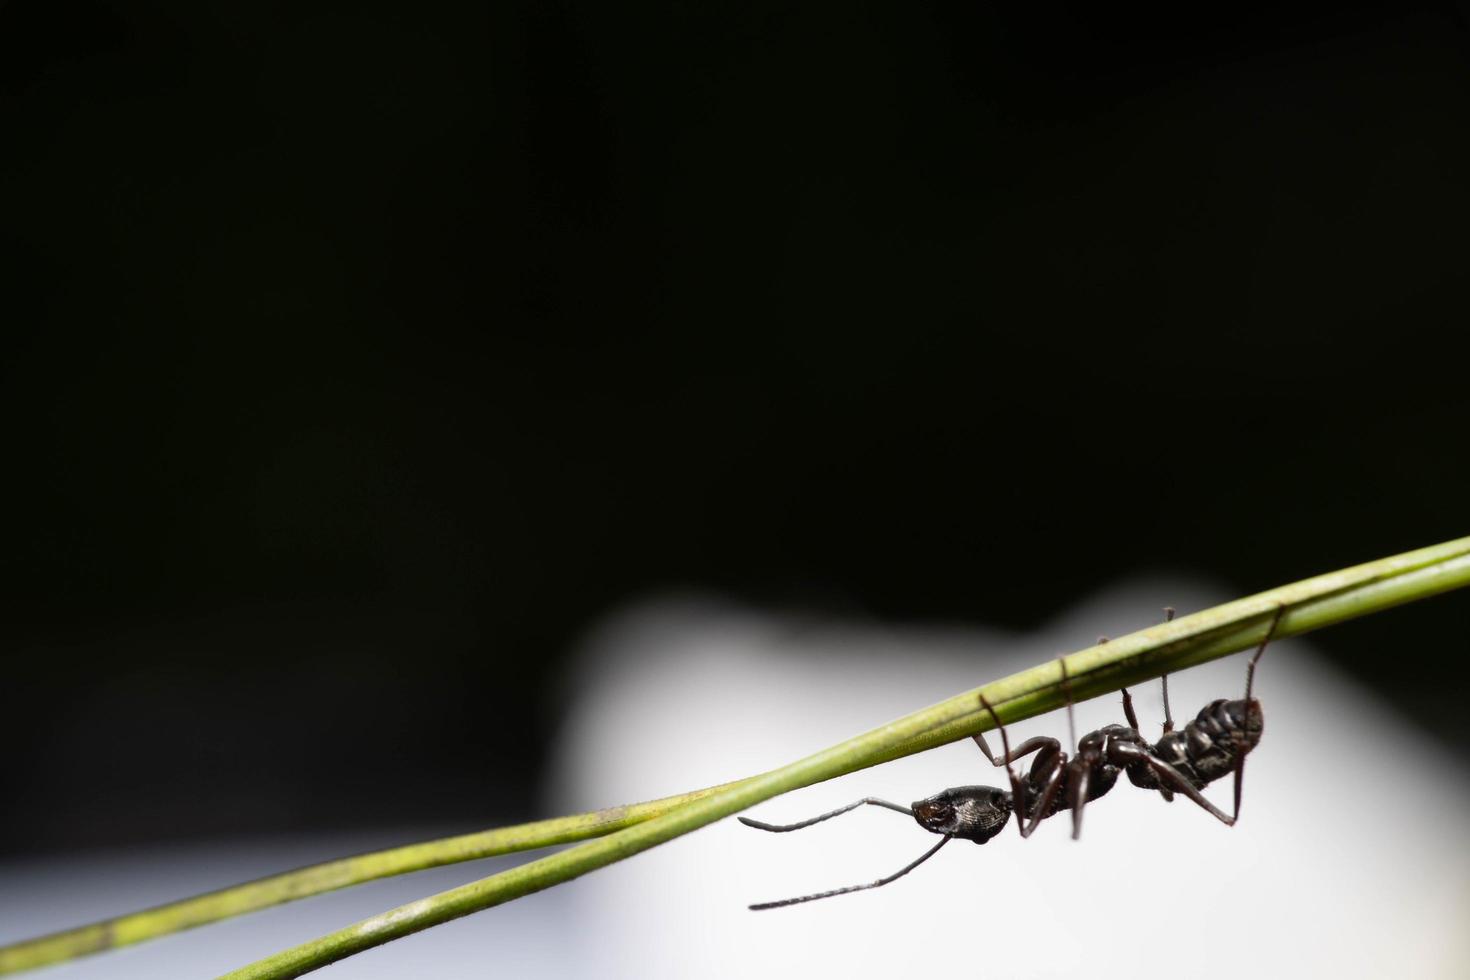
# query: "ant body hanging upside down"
{"type": "Point", "coordinates": [1214, 744]}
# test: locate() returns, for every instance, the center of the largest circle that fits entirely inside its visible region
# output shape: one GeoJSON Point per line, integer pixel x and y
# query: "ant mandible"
{"type": "Point", "coordinates": [1216, 742]}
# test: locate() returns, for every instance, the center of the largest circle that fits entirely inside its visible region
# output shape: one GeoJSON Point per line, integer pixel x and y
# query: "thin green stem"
{"type": "Point", "coordinates": [137, 927]}
{"type": "Point", "coordinates": [1168, 647]}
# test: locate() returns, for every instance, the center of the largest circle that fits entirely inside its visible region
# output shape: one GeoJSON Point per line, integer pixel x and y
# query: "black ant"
{"type": "Point", "coordinates": [1216, 742]}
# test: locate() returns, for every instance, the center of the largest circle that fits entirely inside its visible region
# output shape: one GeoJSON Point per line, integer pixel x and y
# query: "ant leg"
{"type": "Point", "coordinates": [1048, 763]}
{"type": "Point", "coordinates": [1024, 749]}
{"type": "Point", "coordinates": [1047, 798]}
{"type": "Point", "coordinates": [1250, 668]}
{"type": "Point", "coordinates": [1164, 680]}
{"type": "Point", "coordinates": [760, 906]}
{"type": "Point", "coordinates": [1127, 698]}
{"type": "Point", "coordinates": [776, 828]}
{"type": "Point", "coordinates": [1081, 775]}
{"type": "Point", "coordinates": [1133, 723]}
{"type": "Point", "coordinates": [1053, 769]}
{"type": "Point", "coordinates": [1168, 715]}
{"type": "Point", "coordinates": [1079, 772]}
{"type": "Point", "coordinates": [1250, 676]}
{"type": "Point", "coordinates": [1128, 710]}
{"type": "Point", "coordinates": [1123, 754]}
{"type": "Point", "coordinates": [1067, 693]}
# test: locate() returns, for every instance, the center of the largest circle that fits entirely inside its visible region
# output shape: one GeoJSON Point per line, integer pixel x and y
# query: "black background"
{"type": "Point", "coordinates": [359, 356]}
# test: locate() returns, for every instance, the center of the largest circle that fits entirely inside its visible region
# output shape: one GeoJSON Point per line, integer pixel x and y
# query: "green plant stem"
{"type": "Point", "coordinates": [1305, 606]}
{"type": "Point", "coordinates": [136, 927]}
{"type": "Point", "coordinates": [316, 879]}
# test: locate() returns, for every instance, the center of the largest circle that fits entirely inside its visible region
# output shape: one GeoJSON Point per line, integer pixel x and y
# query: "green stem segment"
{"type": "Point", "coordinates": [137, 927]}
{"type": "Point", "coordinates": [1306, 605]}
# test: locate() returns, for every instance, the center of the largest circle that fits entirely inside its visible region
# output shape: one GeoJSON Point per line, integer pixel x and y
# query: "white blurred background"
{"type": "Point", "coordinates": [1348, 860]}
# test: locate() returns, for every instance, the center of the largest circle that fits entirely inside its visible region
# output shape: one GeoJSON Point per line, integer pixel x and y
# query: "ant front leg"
{"type": "Point", "coordinates": [1047, 798]}
{"type": "Point", "coordinates": [1047, 768]}
{"type": "Point", "coordinates": [1036, 744]}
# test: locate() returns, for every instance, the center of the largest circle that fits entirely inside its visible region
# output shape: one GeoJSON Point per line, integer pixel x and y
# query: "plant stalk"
{"type": "Point", "coordinates": [172, 917]}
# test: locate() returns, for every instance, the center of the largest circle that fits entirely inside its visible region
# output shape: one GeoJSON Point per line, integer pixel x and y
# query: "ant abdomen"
{"type": "Point", "coordinates": [1209, 747]}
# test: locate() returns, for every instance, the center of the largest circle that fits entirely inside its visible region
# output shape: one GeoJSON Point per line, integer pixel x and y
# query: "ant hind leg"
{"type": "Point", "coordinates": [1250, 676]}
{"type": "Point", "coordinates": [1164, 681]}
{"type": "Point", "coordinates": [1250, 668]}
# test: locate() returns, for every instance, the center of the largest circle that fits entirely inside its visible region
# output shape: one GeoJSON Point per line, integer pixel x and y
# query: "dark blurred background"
{"type": "Point", "coordinates": [359, 357]}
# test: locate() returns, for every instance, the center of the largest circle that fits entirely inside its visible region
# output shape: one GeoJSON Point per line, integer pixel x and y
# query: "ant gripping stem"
{"type": "Point", "coordinates": [1052, 772]}
{"type": "Point", "coordinates": [1044, 781]}
{"type": "Point", "coordinates": [1213, 744]}
{"type": "Point", "coordinates": [1058, 770]}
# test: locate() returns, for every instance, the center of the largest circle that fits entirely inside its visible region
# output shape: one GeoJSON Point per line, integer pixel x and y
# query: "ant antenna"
{"type": "Point", "coordinates": [1168, 716]}
{"type": "Point", "coordinates": [760, 906]}
{"type": "Point", "coordinates": [782, 828]}
{"type": "Point", "coordinates": [1250, 668]}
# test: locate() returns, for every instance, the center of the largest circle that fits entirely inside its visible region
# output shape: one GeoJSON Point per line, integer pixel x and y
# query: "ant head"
{"type": "Point", "coordinates": [1244, 718]}
{"type": "Point", "coordinates": [975, 813]}
{"type": "Point", "coordinates": [1245, 714]}
{"type": "Point", "coordinates": [1254, 720]}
